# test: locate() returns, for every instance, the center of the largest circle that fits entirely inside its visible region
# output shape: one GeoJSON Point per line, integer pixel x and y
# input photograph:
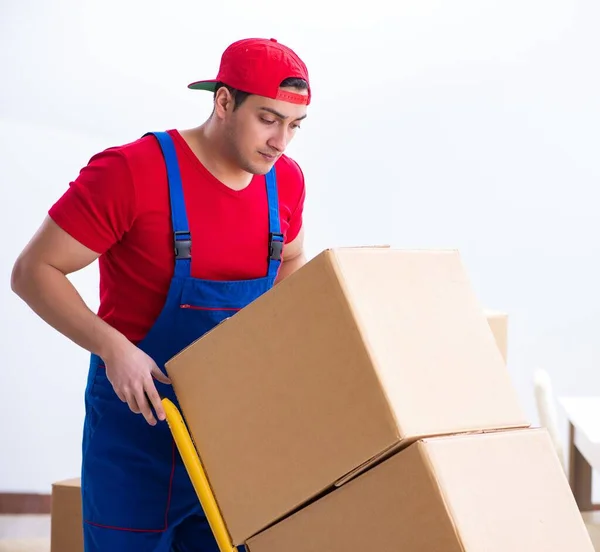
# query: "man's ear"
{"type": "Point", "coordinates": [223, 102]}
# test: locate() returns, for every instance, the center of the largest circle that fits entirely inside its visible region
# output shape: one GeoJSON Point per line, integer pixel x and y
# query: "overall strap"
{"type": "Point", "coordinates": [182, 238]}
{"type": "Point", "coordinates": [275, 235]}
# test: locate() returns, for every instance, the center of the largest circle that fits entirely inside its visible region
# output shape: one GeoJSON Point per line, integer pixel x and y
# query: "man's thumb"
{"type": "Point", "coordinates": [160, 376]}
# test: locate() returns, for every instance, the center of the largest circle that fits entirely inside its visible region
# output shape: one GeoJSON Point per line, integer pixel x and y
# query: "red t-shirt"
{"type": "Point", "coordinates": [119, 207]}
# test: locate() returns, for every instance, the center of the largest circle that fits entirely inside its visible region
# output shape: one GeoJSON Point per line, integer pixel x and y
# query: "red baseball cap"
{"type": "Point", "coordinates": [259, 66]}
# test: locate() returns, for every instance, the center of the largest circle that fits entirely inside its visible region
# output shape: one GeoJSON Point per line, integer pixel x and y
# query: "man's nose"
{"type": "Point", "coordinates": [279, 141]}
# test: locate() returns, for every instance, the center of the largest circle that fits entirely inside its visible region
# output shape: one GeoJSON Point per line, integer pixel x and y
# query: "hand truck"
{"type": "Point", "coordinates": [194, 467]}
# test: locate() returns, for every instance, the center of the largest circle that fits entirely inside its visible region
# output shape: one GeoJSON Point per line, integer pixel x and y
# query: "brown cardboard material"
{"type": "Point", "coordinates": [360, 352]}
{"type": "Point", "coordinates": [66, 522]}
{"type": "Point", "coordinates": [468, 493]}
{"type": "Point", "coordinates": [498, 322]}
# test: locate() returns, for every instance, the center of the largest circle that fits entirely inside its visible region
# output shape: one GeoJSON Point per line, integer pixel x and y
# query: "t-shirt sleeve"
{"type": "Point", "coordinates": [297, 213]}
{"type": "Point", "coordinates": [99, 205]}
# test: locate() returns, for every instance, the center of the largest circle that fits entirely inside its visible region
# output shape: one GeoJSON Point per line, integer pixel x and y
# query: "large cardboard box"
{"type": "Point", "coordinates": [66, 521]}
{"type": "Point", "coordinates": [360, 352]}
{"type": "Point", "coordinates": [470, 493]}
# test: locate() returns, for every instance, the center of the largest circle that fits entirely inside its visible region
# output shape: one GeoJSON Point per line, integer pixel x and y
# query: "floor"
{"type": "Point", "coordinates": [31, 533]}
{"type": "Point", "coordinates": [592, 521]}
{"type": "Point", "coordinates": [25, 533]}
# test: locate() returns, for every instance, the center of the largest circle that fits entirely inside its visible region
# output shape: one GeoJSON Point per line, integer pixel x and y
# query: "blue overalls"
{"type": "Point", "coordinates": [137, 495]}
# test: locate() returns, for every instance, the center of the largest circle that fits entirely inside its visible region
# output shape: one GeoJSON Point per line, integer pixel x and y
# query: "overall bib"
{"type": "Point", "coordinates": [137, 495]}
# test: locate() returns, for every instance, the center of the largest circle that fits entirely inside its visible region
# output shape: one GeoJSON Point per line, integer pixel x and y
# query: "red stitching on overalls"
{"type": "Point", "coordinates": [125, 528]}
{"type": "Point", "coordinates": [198, 307]}
{"type": "Point", "coordinates": [170, 487]}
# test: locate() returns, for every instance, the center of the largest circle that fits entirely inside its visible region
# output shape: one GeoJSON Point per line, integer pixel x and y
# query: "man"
{"type": "Point", "coordinates": [188, 227]}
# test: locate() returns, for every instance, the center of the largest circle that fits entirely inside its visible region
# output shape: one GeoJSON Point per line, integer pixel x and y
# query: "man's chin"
{"type": "Point", "coordinates": [260, 169]}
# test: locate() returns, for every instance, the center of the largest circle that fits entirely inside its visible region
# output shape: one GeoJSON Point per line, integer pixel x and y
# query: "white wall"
{"type": "Point", "coordinates": [470, 124]}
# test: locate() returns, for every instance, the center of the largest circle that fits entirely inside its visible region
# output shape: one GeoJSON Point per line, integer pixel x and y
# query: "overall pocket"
{"type": "Point", "coordinates": [127, 464]}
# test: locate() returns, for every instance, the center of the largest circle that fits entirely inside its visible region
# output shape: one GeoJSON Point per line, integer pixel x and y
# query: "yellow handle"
{"type": "Point", "coordinates": [197, 475]}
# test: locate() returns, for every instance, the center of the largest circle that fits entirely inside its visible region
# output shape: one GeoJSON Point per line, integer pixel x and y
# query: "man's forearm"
{"type": "Point", "coordinates": [290, 266]}
{"type": "Point", "coordinates": [51, 295]}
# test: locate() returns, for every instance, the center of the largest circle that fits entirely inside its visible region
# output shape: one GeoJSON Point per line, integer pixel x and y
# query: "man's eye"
{"type": "Point", "coordinates": [266, 121]}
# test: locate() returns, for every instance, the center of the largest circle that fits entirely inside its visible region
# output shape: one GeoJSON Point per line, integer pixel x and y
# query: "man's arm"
{"type": "Point", "coordinates": [293, 257]}
{"type": "Point", "coordinates": [39, 277]}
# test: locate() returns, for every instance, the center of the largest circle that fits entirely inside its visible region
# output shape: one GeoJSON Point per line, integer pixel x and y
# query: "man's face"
{"type": "Point", "coordinates": [259, 131]}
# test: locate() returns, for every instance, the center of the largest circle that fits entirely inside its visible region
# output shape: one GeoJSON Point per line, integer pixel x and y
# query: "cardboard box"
{"type": "Point", "coordinates": [498, 322]}
{"type": "Point", "coordinates": [358, 353]}
{"type": "Point", "coordinates": [471, 493]}
{"type": "Point", "coordinates": [66, 521]}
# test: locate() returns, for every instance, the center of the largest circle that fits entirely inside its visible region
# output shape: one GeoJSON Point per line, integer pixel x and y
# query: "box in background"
{"type": "Point", "coordinates": [66, 522]}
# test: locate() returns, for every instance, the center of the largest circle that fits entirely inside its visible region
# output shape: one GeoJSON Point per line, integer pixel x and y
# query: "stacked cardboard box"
{"type": "Point", "coordinates": [364, 403]}
{"type": "Point", "coordinates": [67, 535]}
{"type": "Point", "coordinates": [483, 493]}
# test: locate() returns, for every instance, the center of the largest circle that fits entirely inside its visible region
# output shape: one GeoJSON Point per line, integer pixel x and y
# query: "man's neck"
{"type": "Point", "coordinates": [208, 146]}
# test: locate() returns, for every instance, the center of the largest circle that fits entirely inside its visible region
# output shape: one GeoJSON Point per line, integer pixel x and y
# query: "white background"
{"type": "Point", "coordinates": [469, 124]}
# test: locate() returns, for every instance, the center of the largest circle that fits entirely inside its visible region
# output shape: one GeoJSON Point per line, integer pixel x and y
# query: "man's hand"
{"type": "Point", "coordinates": [131, 371]}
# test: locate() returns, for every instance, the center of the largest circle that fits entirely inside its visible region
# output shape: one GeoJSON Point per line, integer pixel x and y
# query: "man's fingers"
{"type": "Point", "coordinates": [132, 403]}
{"type": "Point", "coordinates": [121, 395]}
{"type": "Point", "coordinates": [154, 399]}
{"type": "Point", "coordinates": [144, 406]}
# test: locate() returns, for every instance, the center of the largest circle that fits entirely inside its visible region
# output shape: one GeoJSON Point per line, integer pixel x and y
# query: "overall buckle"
{"type": "Point", "coordinates": [275, 246]}
{"type": "Point", "coordinates": [183, 247]}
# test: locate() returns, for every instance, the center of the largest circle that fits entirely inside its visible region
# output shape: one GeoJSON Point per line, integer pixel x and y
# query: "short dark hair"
{"type": "Point", "coordinates": [239, 95]}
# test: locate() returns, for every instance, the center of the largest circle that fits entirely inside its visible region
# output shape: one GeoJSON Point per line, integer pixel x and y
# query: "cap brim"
{"type": "Point", "coordinates": [209, 85]}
